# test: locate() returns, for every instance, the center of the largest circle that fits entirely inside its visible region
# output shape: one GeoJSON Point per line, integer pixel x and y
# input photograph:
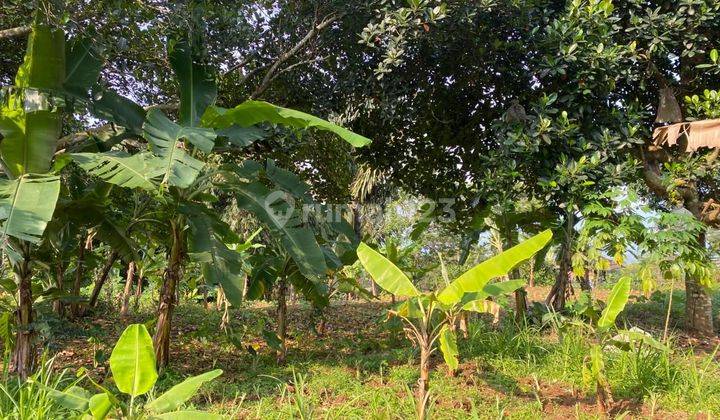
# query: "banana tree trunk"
{"type": "Point", "coordinates": [423, 386]}
{"type": "Point", "coordinates": [161, 339]}
{"type": "Point", "coordinates": [282, 318]}
{"type": "Point", "coordinates": [79, 272]}
{"type": "Point", "coordinates": [103, 278]}
{"type": "Point", "coordinates": [521, 305]}
{"type": "Point", "coordinates": [128, 289]}
{"type": "Point", "coordinates": [138, 290]}
{"type": "Point", "coordinates": [58, 306]}
{"type": "Point", "coordinates": [206, 304]}
{"type": "Point", "coordinates": [373, 288]}
{"type": "Point", "coordinates": [531, 275]}
{"type": "Point", "coordinates": [219, 298]}
{"type": "Point", "coordinates": [23, 356]}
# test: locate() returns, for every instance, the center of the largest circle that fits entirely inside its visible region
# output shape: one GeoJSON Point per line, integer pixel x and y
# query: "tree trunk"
{"type": "Point", "coordinates": [585, 284]}
{"type": "Point", "coordinates": [219, 298]}
{"type": "Point", "coordinates": [161, 339]}
{"type": "Point", "coordinates": [206, 304]}
{"type": "Point", "coordinates": [698, 309]}
{"type": "Point", "coordinates": [698, 304]}
{"type": "Point", "coordinates": [79, 271]}
{"type": "Point", "coordinates": [563, 281]}
{"type": "Point", "coordinates": [531, 276]}
{"type": "Point", "coordinates": [128, 289]}
{"type": "Point", "coordinates": [373, 288]}
{"type": "Point", "coordinates": [463, 324]}
{"type": "Point", "coordinates": [23, 356]}
{"type": "Point", "coordinates": [282, 318]}
{"type": "Point", "coordinates": [58, 306]}
{"type": "Point", "coordinates": [103, 278]}
{"type": "Point", "coordinates": [138, 291]}
{"type": "Point", "coordinates": [563, 286]}
{"type": "Point", "coordinates": [424, 381]}
{"type": "Point", "coordinates": [521, 305]}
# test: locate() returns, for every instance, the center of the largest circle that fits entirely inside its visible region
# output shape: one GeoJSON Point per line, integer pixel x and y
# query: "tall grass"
{"type": "Point", "coordinates": [32, 399]}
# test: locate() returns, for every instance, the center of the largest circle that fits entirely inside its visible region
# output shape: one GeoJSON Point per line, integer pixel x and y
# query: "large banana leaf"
{"type": "Point", "coordinates": [110, 106]}
{"type": "Point", "coordinates": [178, 167]}
{"type": "Point", "coordinates": [314, 292]}
{"type": "Point", "coordinates": [100, 405]}
{"type": "Point", "coordinates": [132, 361]}
{"type": "Point", "coordinates": [476, 301]}
{"type": "Point", "coordinates": [449, 347]}
{"type": "Point", "coordinates": [109, 232]}
{"type": "Point", "coordinates": [615, 303]}
{"type": "Point", "coordinates": [287, 180]}
{"type": "Point", "coordinates": [177, 395]}
{"type": "Point", "coordinates": [251, 112]}
{"type": "Point", "coordinates": [503, 287]}
{"type": "Point", "coordinates": [282, 218]}
{"type": "Point", "coordinates": [74, 397]}
{"type": "Point", "coordinates": [121, 168]}
{"type": "Point", "coordinates": [197, 84]}
{"type": "Point", "coordinates": [82, 67]}
{"type": "Point", "coordinates": [219, 264]}
{"type": "Point", "coordinates": [385, 273]}
{"type": "Point", "coordinates": [477, 277]}
{"type": "Point", "coordinates": [29, 121]}
{"type": "Point", "coordinates": [26, 205]}
{"type": "Point", "coordinates": [242, 136]}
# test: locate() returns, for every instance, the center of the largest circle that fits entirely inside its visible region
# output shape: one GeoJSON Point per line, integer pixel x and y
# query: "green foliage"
{"type": "Point", "coordinates": [385, 273]}
{"type": "Point", "coordinates": [133, 361]}
{"type": "Point", "coordinates": [119, 168]}
{"type": "Point", "coordinates": [197, 85]}
{"type": "Point", "coordinates": [449, 347]}
{"type": "Point", "coordinates": [467, 292]}
{"type": "Point", "coordinates": [133, 368]}
{"type": "Point", "coordinates": [178, 394]}
{"type": "Point", "coordinates": [208, 245]}
{"type": "Point", "coordinates": [251, 112]}
{"type": "Point", "coordinates": [176, 167]}
{"type": "Point", "coordinates": [27, 205]}
{"type": "Point", "coordinates": [615, 303]}
{"type": "Point", "coordinates": [30, 119]}
{"type": "Point", "coordinates": [475, 279]}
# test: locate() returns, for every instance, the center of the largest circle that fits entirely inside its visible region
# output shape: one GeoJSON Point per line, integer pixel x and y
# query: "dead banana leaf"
{"type": "Point", "coordinates": [703, 133]}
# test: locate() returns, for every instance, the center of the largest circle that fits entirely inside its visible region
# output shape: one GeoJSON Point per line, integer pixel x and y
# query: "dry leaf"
{"type": "Point", "coordinates": [703, 133]}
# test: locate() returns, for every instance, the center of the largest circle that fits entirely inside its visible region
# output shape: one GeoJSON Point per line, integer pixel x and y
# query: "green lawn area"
{"type": "Point", "coordinates": [362, 366]}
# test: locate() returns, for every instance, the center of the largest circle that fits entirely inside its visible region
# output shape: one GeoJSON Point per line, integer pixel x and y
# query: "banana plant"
{"type": "Point", "coordinates": [276, 270]}
{"type": "Point", "coordinates": [132, 364]}
{"type": "Point", "coordinates": [605, 333]}
{"type": "Point", "coordinates": [181, 166]}
{"type": "Point", "coordinates": [430, 317]}
{"type": "Point", "coordinates": [30, 124]}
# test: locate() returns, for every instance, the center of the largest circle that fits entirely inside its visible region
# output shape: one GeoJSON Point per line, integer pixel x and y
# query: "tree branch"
{"type": "Point", "coordinates": [15, 32]}
{"type": "Point", "coordinates": [271, 74]}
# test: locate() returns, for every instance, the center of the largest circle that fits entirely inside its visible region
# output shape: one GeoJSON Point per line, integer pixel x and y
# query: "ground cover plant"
{"type": "Point", "coordinates": [359, 209]}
